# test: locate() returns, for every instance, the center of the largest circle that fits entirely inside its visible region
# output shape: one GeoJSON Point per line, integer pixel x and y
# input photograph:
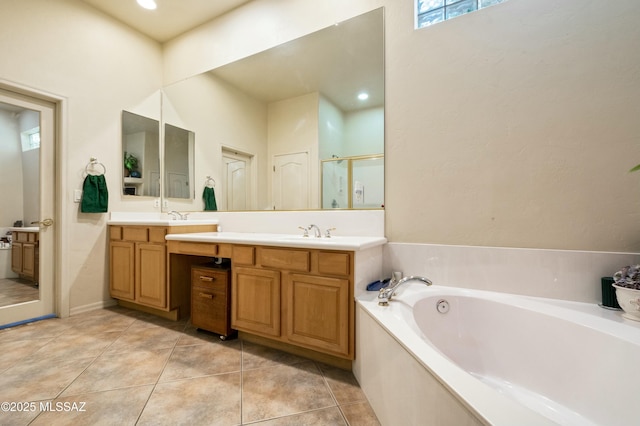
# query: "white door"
{"type": "Point", "coordinates": [291, 181]}
{"type": "Point", "coordinates": [178, 185]}
{"type": "Point", "coordinates": [43, 114]}
{"type": "Point", "coordinates": [236, 181]}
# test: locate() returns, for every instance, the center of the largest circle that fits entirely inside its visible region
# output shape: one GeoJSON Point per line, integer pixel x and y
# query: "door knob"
{"type": "Point", "coordinates": [45, 222]}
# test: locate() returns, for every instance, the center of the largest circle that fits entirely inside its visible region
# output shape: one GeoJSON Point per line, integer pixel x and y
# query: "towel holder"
{"type": "Point", "coordinates": [210, 182]}
{"type": "Point", "coordinates": [93, 162]}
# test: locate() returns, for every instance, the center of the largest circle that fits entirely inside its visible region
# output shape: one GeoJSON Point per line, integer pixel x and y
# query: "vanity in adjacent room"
{"type": "Point", "coordinates": [25, 252]}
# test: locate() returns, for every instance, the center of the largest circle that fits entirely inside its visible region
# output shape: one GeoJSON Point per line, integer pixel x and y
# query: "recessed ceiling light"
{"type": "Point", "coordinates": [148, 4]}
{"type": "Point", "coordinates": [363, 96]}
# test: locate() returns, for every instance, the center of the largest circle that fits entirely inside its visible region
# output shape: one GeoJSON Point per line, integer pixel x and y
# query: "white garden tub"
{"type": "Point", "coordinates": [497, 359]}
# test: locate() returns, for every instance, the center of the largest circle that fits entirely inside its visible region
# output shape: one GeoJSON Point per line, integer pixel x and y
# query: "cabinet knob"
{"type": "Point", "coordinates": [206, 295]}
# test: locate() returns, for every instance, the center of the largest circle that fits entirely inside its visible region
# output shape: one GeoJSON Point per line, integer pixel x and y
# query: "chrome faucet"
{"type": "Point", "coordinates": [175, 215]}
{"type": "Point", "coordinates": [316, 230]}
{"type": "Point", "coordinates": [387, 293]}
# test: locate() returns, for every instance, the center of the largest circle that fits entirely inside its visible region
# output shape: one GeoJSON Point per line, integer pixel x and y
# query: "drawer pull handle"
{"type": "Point", "coordinates": [206, 295]}
{"type": "Point", "coordinates": [205, 278]}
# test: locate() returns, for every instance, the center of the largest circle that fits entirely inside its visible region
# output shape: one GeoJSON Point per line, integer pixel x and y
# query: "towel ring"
{"type": "Point", "coordinates": [93, 162]}
{"type": "Point", "coordinates": [210, 182]}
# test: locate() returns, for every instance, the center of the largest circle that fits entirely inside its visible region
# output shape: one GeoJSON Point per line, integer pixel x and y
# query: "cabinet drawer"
{"type": "Point", "coordinates": [209, 310]}
{"type": "Point", "coordinates": [197, 249]}
{"type": "Point", "coordinates": [291, 260]}
{"type": "Point", "coordinates": [210, 278]}
{"type": "Point", "coordinates": [132, 233]}
{"type": "Point", "coordinates": [21, 237]}
{"type": "Point", "coordinates": [156, 235]}
{"type": "Point", "coordinates": [331, 263]}
{"type": "Point", "coordinates": [115, 233]}
{"type": "Point", "coordinates": [244, 255]}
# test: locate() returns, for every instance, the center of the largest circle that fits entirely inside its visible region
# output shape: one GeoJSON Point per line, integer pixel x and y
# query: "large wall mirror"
{"type": "Point", "coordinates": [285, 129]}
{"type": "Point", "coordinates": [141, 155]}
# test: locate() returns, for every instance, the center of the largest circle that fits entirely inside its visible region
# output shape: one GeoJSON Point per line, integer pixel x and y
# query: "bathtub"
{"type": "Point", "coordinates": [495, 358]}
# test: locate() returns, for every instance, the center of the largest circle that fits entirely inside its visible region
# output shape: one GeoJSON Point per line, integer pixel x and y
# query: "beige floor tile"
{"type": "Point", "coordinates": [283, 390]}
{"type": "Point", "coordinates": [115, 407]}
{"type": "Point", "coordinates": [16, 350]}
{"type": "Point", "coordinates": [324, 417]}
{"type": "Point", "coordinates": [212, 400]}
{"type": "Point", "coordinates": [203, 360]}
{"type": "Point", "coordinates": [145, 336]}
{"type": "Point", "coordinates": [118, 370]}
{"type": "Point", "coordinates": [35, 330]}
{"type": "Point", "coordinates": [343, 385]}
{"type": "Point", "coordinates": [258, 356]}
{"type": "Point", "coordinates": [110, 322]}
{"type": "Point", "coordinates": [39, 379]}
{"type": "Point", "coordinates": [73, 346]}
{"type": "Point", "coordinates": [360, 414]}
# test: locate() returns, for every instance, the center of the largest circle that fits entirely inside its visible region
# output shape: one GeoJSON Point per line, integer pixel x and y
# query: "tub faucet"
{"type": "Point", "coordinates": [387, 293]}
{"type": "Point", "coordinates": [316, 230]}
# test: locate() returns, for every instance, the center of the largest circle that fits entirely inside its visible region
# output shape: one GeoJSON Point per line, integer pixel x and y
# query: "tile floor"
{"type": "Point", "coordinates": [17, 290]}
{"type": "Point", "coordinates": [121, 367]}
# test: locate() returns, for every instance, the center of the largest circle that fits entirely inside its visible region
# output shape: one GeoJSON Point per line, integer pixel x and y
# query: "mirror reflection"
{"type": "Point", "coordinates": [271, 120]}
{"type": "Point", "coordinates": [141, 155]}
{"type": "Point", "coordinates": [178, 158]}
{"type": "Point", "coordinates": [19, 165]}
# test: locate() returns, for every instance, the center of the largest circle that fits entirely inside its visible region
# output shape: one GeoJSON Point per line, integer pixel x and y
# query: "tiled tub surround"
{"type": "Point", "coordinates": [134, 368]}
{"type": "Point", "coordinates": [556, 274]}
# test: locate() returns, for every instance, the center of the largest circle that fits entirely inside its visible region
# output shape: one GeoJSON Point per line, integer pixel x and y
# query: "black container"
{"type": "Point", "coordinates": [609, 294]}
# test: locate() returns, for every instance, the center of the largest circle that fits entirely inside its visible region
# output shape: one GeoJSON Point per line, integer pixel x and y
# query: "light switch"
{"type": "Point", "coordinates": [77, 195]}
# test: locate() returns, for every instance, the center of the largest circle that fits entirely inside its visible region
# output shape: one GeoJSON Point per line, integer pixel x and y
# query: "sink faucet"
{"type": "Point", "coordinates": [387, 293]}
{"type": "Point", "coordinates": [316, 230]}
{"type": "Point", "coordinates": [175, 215]}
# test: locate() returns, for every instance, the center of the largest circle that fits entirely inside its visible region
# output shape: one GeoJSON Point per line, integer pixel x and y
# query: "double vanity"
{"type": "Point", "coordinates": [291, 291]}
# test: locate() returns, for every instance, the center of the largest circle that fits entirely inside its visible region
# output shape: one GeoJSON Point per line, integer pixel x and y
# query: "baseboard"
{"type": "Point", "coordinates": [93, 306]}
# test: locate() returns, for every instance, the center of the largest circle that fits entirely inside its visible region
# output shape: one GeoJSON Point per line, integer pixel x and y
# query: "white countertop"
{"type": "Point", "coordinates": [162, 222]}
{"type": "Point", "coordinates": [25, 229]}
{"type": "Point", "coordinates": [281, 240]}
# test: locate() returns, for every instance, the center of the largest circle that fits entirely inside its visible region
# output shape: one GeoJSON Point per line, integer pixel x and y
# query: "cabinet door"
{"type": "Point", "coordinates": [318, 312]}
{"type": "Point", "coordinates": [16, 257]}
{"type": "Point", "coordinates": [121, 270]}
{"type": "Point", "coordinates": [151, 288]}
{"type": "Point", "coordinates": [255, 301]}
{"type": "Point", "coordinates": [29, 260]}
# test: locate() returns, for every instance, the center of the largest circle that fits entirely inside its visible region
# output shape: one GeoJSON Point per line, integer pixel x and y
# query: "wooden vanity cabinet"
{"type": "Point", "coordinates": [138, 268]}
{"type": "Point", "coordinates": [25, 255]}
{"type": "Point", "coordinates": [137, 265]}
{"type": "Point", "coordinates": [301, 297]}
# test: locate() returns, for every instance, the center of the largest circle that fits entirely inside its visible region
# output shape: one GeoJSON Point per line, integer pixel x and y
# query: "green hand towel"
{"type": "Point", "coordinates": [209, 197]}
{"type": "Point", "coordinates": [95, 197]}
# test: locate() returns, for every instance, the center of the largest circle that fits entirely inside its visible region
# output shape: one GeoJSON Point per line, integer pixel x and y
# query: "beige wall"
{"type": "Point", "coordinates": [516, 126]}
{"type": "Point", "coordinates": [99, 67]}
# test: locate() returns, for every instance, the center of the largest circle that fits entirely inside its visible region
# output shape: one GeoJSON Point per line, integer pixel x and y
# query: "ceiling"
{"type": "Point", "coordinates": [333, 61]}
{"type": "Point", "coordinates": [170, 19]}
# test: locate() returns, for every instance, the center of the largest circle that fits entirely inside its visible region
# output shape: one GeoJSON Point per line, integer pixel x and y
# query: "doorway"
{"type": "Point", "coordinates": [27, 228]}
{"type": "Point", "coordinates": [291, 181]}
{"type": "Point", "coordinates": [236, 180]}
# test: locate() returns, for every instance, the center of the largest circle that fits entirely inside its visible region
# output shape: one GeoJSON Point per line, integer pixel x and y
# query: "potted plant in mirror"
{"type": "Point", "coordinates": [627, 285]}
{"type": "Point", "coordinates": [130, 164]}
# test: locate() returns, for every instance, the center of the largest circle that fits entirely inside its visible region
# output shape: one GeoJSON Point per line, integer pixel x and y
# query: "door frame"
{"type": "Point", "coordinates": [61, 286]}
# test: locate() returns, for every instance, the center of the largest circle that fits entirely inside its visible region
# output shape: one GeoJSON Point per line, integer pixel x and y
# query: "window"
{"type": "Point", "coordinates": [30, 139]}
{"type": "Point", "coordinates": [430, 12]}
